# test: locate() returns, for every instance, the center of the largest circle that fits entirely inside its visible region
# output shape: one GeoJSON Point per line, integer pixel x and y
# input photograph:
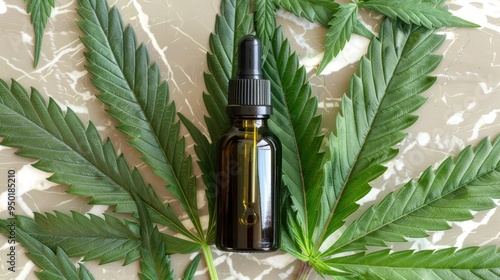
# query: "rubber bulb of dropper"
{"type": "Point", "coordinates": [249, 58]}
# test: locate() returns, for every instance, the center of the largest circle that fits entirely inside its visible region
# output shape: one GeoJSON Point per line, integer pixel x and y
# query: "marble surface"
{"type": "Point", "coordinates": [462, 108]}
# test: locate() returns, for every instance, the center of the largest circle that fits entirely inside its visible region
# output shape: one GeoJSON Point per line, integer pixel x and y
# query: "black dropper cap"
{"type": "Point", "coordinates": [249, 93]}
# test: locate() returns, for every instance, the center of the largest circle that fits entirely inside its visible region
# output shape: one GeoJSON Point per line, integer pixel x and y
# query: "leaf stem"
{"type": "Point", "coordinates": [305, 271]}
{"type": "Point", "coordinates": [209, 260]}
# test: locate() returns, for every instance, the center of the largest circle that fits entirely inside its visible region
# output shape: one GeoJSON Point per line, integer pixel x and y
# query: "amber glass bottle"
{"type": "Point", "coordinates": [248, 162]}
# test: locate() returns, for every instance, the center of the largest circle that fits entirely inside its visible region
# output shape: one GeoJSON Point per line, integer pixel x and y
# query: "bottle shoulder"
{"type": "Point", "coordinates": [235, 135]}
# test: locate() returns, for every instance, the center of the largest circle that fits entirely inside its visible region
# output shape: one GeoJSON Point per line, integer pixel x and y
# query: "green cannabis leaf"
{"type": "Point", "coordinates": [344, 22]}
{"type": "Point", "coordinates": [130, 85]}
{"type": "Point", "coordinates": [341, 28]}
{"type": "Point", "coordinates": [54, 265]}
{"type": "Point", "coordinates": [40, 11]}
{"type": "Point", "coordinates": [447, 194]}
{"type": "Point", "coordinates": [365, 135]}
{"type": "Point", "coordinates": [265, 21]}
{"type": "Point", "coordinates": [421, 12]}
{"type": "Point", "coordinates": [295, 121]}
{"type": "Point", "coordinates": [155, 263]}
{"type": "Point", "coordinates": [75, 155]}
{"type": "Point", "coordinates": [191, 269]}
{"type": "Point", "coordinates": [374, 113]}
{"type": "Point", "coordinates": [312, 10]}
{"type": "Point", "coordinates": [467, 263]}
{"type": "Point", "coordinates": [321, 188]}
{"type": "Point", "coordinates": [233, 23]}
{"type": "Point", "coordinates": [108, 240]}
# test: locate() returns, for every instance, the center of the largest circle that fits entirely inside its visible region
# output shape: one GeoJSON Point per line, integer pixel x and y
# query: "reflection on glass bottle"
{"type": "Point", "coordinates": [248, 162]}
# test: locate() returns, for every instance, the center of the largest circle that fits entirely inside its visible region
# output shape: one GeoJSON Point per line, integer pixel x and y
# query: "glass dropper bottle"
{"type": "Point", "coordinates": [248, 161]}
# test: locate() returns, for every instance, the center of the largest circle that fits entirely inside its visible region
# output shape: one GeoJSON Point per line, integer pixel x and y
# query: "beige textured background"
{"type": "Point", "coordinates": [462, 108]}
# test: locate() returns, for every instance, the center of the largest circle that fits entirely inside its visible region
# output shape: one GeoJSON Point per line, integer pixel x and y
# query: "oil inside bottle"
{"type": "Point", "coordinates": [248, 211]}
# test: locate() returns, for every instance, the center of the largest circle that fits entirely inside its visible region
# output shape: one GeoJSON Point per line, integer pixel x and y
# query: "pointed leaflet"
{"type": "Point", "coordinates": [205, 153]}
{"type": "Point", "coordinates": [191, 269]}
{"type": "Point", "coordinates": [130, 85]}
{"type": "Point", "coordinates": [470, 182]}
{"type": "Point", "coordinates": [40, 12]}
{"type": "Point", "coordinates": [312, 10]}
{"type": "Point", "coordinates": [234, 22]}
{"type": "Point", "coordinates": [379, 105]}
{"type": "Point", "coordinates": [155, 263]}
{"type": "Point", "coordinates": [362, 30]}
{"type": "Point", "coordinates": [466, 263]}
{"type": "Point", "coordinates": [296, 124]}
{"type": "Point", "coordinates": [420, 12]}
{"type": "Point", "coordinates": [339, 32]}
{"type": "Point", "coordinates": [265, 21]}
{"type": "Point", "coordinates": [107, 240]}
{"type": "Point", "coordinates": [75, 154]}
{"type": "Point", "coordinates": [84, 273]}
{"type": "Point", "coordinates": [54, 265]}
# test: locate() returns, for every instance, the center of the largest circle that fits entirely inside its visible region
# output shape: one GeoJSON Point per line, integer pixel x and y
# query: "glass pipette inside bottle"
{"type": "Point", "coordinates": [249, 217]}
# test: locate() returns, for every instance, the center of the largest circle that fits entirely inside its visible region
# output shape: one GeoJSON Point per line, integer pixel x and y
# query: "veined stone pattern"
{"type": "Point", "coordinates": [461, 108]}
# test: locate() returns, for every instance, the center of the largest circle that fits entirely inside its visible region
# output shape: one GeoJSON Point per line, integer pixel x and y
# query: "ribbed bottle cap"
{"type": "Point", "coordinates": [249, 93]}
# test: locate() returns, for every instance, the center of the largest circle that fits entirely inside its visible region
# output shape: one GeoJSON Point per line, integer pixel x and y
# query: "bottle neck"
{"type": "Point", "coordinates": [249, 121]}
